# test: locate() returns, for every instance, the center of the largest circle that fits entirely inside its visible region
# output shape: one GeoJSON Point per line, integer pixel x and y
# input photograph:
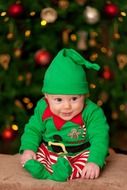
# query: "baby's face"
{"type": "Point", "coordinates": [65, 106]}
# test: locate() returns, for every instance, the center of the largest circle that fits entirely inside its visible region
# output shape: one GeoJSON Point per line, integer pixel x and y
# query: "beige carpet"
{"type": "Point", "coordinates": [14, 177]}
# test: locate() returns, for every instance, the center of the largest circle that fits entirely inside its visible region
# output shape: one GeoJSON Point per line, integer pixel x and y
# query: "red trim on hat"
{"type": "Point", "coordinates": [59, 122]}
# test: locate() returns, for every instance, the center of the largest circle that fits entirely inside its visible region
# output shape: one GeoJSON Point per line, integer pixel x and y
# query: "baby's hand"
{"type": "Point", "coordinates": [27, 155]}
{"type": "Point", "coordinates": [90, 171]}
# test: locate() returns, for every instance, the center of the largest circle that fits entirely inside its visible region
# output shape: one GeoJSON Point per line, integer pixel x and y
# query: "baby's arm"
{"type": "Point", "coordinates": [90, 171]}
{"type": "Point", "coordinates": [27, 155]}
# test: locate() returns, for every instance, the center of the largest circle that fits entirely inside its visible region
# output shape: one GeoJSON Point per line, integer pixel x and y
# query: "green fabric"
{"type": "Point", "coordinates": [61, 170]}
{"type": "Point", "coordinates": [97, 131]}
{"type": "Point", "coordinates": [66, 74]}
{"type": "Point", "coordinates": [38, 170]}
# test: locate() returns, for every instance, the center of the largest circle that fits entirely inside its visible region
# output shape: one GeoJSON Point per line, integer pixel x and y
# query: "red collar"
{"type": "Point", "coordinates": [59, 122]}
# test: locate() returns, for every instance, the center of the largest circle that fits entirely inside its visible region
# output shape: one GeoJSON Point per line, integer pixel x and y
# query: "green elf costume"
{"type": "Point", "coordinates": [64, 147]}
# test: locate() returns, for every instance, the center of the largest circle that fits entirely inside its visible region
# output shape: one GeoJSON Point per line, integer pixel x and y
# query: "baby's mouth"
{"type": "Point", "coordinates": [67, 114]}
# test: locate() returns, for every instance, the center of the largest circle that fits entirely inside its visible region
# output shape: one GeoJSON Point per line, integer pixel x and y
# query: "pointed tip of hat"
{"type": "Point", "coordinates": [78, 59]}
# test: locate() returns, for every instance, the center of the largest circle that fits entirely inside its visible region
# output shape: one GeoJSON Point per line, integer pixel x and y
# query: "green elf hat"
{"type": "Point", "coordinates": [66, 74]}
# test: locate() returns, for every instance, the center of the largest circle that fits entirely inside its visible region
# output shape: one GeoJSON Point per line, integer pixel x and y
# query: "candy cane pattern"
{"type": "Point", "coordinates": [77, 162]}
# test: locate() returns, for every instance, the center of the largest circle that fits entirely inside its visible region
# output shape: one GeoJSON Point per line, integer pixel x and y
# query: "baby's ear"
{"type": "Point", "coordinates": [87, 95]}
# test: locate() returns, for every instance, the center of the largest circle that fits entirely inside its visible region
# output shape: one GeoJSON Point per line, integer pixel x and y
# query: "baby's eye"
{"type": "Point", "coordinates": [58, 99]}
{"type": "Point", "coordinates": [74, 98]}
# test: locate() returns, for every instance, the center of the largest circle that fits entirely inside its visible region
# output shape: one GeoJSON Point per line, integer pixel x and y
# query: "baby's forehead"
{"type": "Point", "coordinates": [64, 96]}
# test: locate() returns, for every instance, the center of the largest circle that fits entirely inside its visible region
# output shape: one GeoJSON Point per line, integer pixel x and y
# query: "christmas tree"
{"type": "Point", "coordinates": [32, 32]}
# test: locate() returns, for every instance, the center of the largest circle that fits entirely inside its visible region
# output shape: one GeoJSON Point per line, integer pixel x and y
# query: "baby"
{"type": "Point", "coordinates": [67, 137]}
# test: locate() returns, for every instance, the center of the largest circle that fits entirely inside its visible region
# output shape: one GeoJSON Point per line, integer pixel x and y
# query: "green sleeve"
{"type": "Point", "coordinates": [98, 134]}
{"type": "Point", "coordinates": [34, 129]}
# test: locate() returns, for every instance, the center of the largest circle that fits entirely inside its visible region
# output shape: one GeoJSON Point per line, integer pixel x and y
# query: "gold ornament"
{"type": "Point", "coordinates": [19, 104]}
{"type": "Point", "coordinates": [73, 37]}
{"type": "Point", "coordinates": [20, 78]}
{"type": "Point", "coordinates": [49, 15]}
{"type": "Point", "coordinates": [115, 115]}
{"type": "Point", "coordinates": [109, 52]}
{"type": "Point", "coordinates": [122, 107]}
{"type": "Point", "coordinates": [81, 2]}
{"type": "Point", "coordinates": [63, 4]}
{"type": "Point", "coordinates": [28, 78]}
{"type": "Point", "coordinates": [65, 35]}
{"type": "Point", "coordinates": [122, 60]}
{"type": "Point", "coordinates": [10, 35]}
{"type": "Point", "coordinates": [93, 56]}
{"type": "Point", "coordinates": [92, 86]}
{"type": "Point", "coordinates": [27, 33]}
{"type": "Point", "coordinates": [104, 96]}
{"type": "Point", "coordinates": [29, 105]}
{"type": "Point", "coordinates": [26, 100]}
{"type": "Point", "coordinates": [92, 41]}
{"type": "Point", "coordinates": [116, 34]}
{"type": "Point", "coordinates": [32, 13]}
{"type": "Point", "coordinates": [4, 60]}
{"type": "Point", "coordinates": [82, 42]}
{"type": "Point", "coordinates": [17, 52]}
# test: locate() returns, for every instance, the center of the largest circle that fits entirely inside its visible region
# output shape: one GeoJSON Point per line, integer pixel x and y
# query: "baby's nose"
{"type": "Point", "coordinates": [67, 104]}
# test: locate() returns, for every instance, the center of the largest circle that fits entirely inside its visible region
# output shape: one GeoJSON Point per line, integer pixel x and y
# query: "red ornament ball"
{"type": "Point", "coordinates": [111, 10]}
{"type": "Point", "coordinates": [15, 10]}
{"type": "Point", "coordinates": [7, 134]}
{"type": "Point", "coordinates": [107, 73]}
{"type": "Point", "coordinates": [42, 57]}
